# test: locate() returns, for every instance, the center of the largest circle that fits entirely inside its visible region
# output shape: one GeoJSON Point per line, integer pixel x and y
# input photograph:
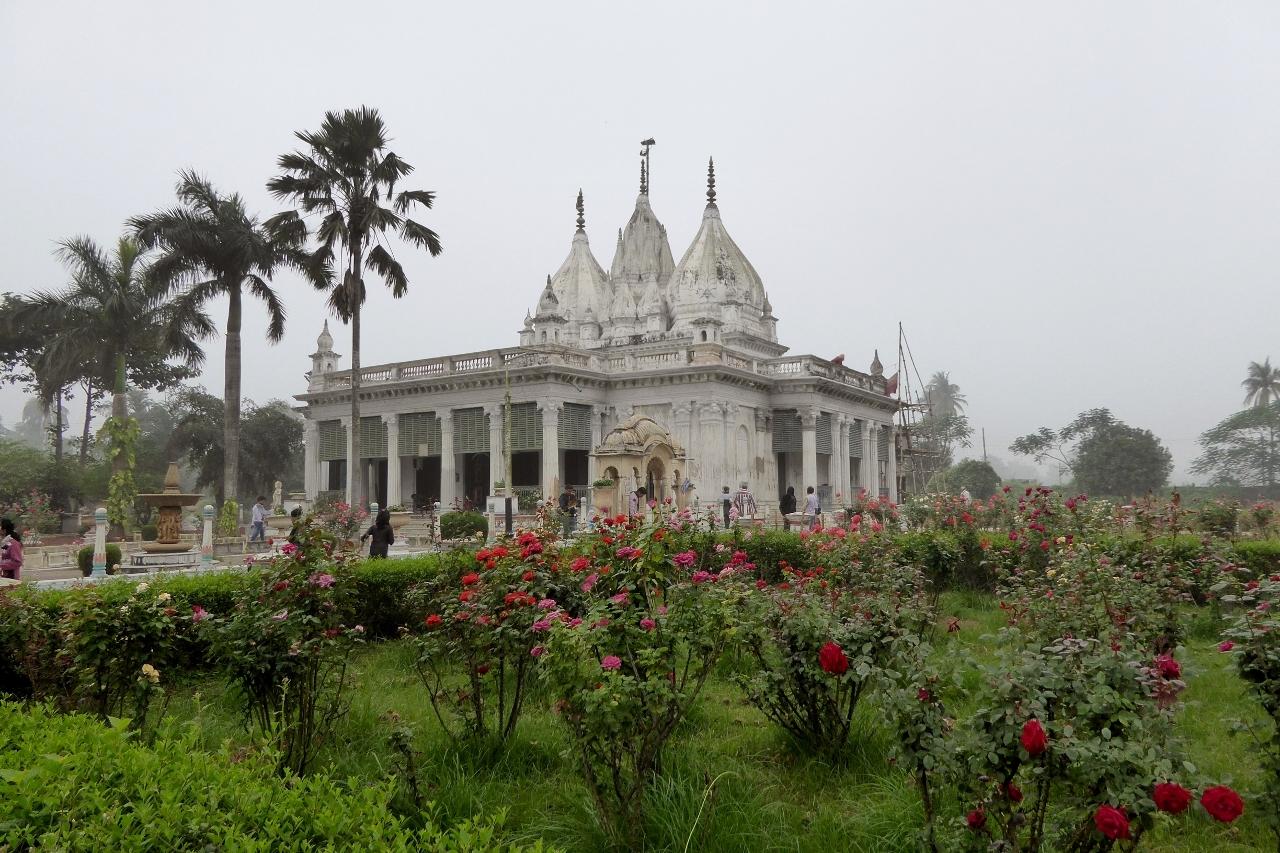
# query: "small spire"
{"type": "Point", "coordinates": [644, 177]}
{"type": "Point", "coordinates": [581, 219]}
{"type": "Point", "coordinates": [711, 182]}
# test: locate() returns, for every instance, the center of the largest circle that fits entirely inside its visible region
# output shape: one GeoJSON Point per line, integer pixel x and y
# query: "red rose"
{"type": "Point", "coordinates": [976, 819]}
{"type": "Point", "coordinates": [433, 620]}
{"type": "Point", "coordinates": [1169, 668]}
{"type": "Point", "coordinates": [1034, 740]}
{"type": "Point", "coordinates": [1013, 792]}
{"type": "Point", "coordinates": [832, 659]}
{"type": "Point", "coordinates": [465, 595]}
{"type": "Point", "coordinates": [1171, 797]}
{"type": "Point", "coordinates": [470, 578]}
{"type": "Point", "coordinates": [924, 695]}
{"type": "Point", "coordinates": [482, 669]}
{"type": "Point", "coordinates": [1222, 803]}
{"type": "Point", "coordinates": [528, 576]}
{"type": "Point", "coordinates": [1111, 822]}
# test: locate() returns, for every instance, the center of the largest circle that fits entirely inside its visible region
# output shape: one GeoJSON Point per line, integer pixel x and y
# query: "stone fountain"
{"type": "Point", "coordinates": [167, 551]}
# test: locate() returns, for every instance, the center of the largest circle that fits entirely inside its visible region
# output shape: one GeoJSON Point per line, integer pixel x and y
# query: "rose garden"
{"type": "Point", "coordinates": [1024, 673]}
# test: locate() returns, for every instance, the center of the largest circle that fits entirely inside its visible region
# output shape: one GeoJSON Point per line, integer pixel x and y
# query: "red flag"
{"type": "Point", "coordinates": [891, 387]}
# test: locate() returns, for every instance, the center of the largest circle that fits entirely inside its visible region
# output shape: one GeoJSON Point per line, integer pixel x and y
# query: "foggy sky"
{"type": "Point", "coordinates": [1068, 205]}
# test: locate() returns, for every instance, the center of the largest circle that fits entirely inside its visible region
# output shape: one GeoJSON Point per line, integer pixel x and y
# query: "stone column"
{"type": "Point", "coordinates": [311, 459]}
{"type": "Point", "coordinates": [550, 448]}
{"type": "Point", "coordinates": [394, 489]}
{"type": "Point", "coordinates": [893, 464]}
{"type": "Point", "coordinates": [710, 417]}
{"type": "Point", "coordinates": [808, 449]}
{"type": "Point", "coordinates": [840, 459]}
{"type": "Point", "coordinates": [206, 538]}
{"type": "Point", "coordinates": [870, 460]}
{"type": "Point", "coordinates": [353, 462]}
{"type": "Point", "coordinates": [100, 543]}
{"type": "Point", "coordinates": [448, 486]}
{"type": "Point", "coordinates": [497, 446]}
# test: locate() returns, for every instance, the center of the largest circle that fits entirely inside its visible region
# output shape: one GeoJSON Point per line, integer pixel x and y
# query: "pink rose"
{"type": "Point", "coordinates": [611, 663]}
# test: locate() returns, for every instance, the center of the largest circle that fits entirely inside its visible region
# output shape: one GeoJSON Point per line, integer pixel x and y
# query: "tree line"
{"type": "Point", "coordinates": [133, 316]}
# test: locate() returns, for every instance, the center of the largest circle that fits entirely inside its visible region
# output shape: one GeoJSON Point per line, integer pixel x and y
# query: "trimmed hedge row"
{"type": "Point", "coordinates": [69, 783]}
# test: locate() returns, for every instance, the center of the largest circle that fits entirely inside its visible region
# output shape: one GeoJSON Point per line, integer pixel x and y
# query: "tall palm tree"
{"type": "Point", "coordinates": [1262, 385]}
{"type": "Point", "coordinates": [348, 177]}
{"type": "Point", "coordinates": [211, 247]}
{"type": "Point", "coordinates": [944, 396]}
{"type": "Point", "coordinates": [114, 316]}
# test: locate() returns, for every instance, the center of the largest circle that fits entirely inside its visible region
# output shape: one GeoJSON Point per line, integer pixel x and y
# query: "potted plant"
{"type": "Point", "coordinates": [399, 516]}
{"type": "Point", "coordinates": [279, 521]}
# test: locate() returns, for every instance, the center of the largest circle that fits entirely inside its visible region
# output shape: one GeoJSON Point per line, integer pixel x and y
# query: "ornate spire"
{"type": "Point", "coordinates": [581, 219]}
{"type": "Point", "coordinates": [711, 182]}
{"type": "Point", "coordinates": [644, 178]}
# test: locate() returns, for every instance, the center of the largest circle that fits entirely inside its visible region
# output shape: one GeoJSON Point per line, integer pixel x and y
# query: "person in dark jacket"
{"type": "Point", "coordinates": [381, 533]}
{"type": "Point", "coordinates": [787, 505]}
{"type": "Point", "coordinates": [295, 526]}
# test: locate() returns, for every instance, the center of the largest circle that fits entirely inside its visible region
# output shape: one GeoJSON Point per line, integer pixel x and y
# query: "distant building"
{"type": "Point", "coordinates": [691, 346]}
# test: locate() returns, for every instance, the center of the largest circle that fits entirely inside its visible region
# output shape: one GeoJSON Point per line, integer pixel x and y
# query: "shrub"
{"type": "Point", "coordinates": [462, 525]}
{"type": "Point", "coordinates": [483, 617]}
{"type": "Point", "coordinates": [148, 532]}
{"type": "Point", "coordinates": [84, 559]}
{"type": "Point", "coordinates": [1261, 556]}
{"type": "Point", "coordinates": [77, 785]}
{"type": "Point", "coordinates": [1219, 517]}
{"type": "Point", "coordinates": [228, 521]}
{"type": "Point", "coordinates": [382, 602]}
{"type": "Point", "coordinates": [626, 672]}
{"type": "Point", "coordinates": [819, 646]}
{"type": "Point", "coordinates": [286, 643]}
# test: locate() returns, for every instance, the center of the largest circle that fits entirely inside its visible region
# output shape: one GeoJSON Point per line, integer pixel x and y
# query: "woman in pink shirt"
{"type": "Point", "coordinates": [10, 551]}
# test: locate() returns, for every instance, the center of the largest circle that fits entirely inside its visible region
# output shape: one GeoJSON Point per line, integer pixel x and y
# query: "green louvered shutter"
{"type": "Point", "coordinates": [786, 432]}
{"type": "Point", "coordinates": [373, 438]}
{"type": "Point", "coordinates": [419, 434]}
{"type": "Point", "coordinates": [855, 440]}
{"type": "Point", "coordinates": [822, 440]}
{"type": "Point", "coordinates": [470, 431]}
{"type": "Point", "coordinates": [333, 441]}
{"type": "Point", "coordinates": [526, 427]}
{"type": "Point", "coordinates": [575, 427]}
{"type": "Point", "coordinates": [884, 444]}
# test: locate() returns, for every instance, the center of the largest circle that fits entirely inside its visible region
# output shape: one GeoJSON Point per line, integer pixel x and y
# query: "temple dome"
{"type": "Point", "coordinates": [715, 272]}
{"type": "Point", "coordinates": [643, 253]}
{"type": "Point", "coordinates": [580, 284]}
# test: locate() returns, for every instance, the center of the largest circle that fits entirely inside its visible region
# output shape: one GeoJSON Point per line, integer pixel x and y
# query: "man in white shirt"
{"type": "Point", "coordinates": [259, 531]}
{"type": "Point", "coordinates": [811, 509]}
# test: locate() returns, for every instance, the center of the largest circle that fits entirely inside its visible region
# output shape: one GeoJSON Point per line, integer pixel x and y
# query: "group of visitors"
{"type": "Point", "coordinates": [812, 508]}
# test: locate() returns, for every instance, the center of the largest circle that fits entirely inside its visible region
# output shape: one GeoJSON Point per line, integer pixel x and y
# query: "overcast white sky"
{"type": "Point", "coordinates": [1068, 205]}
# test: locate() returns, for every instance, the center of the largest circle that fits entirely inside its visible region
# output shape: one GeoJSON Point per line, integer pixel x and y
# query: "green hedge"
{"type": "Point", "coordinates": [461, 525]}
{"type": "Point", "coordinates": [69, 783]}
{"type": "Point", "coordinates": [1262, 556]}
{"type": "Point", "coordinates": [84, 558]}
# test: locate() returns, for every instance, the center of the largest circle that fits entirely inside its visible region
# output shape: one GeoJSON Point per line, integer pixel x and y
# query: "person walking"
{"type": "Point", "coordinates": [10, 551]}
{"type": "Point", "coordinates": [726, 503]}
{"type": "Point", "coordinates": [787, 506]}
{"type": "Point", "coordinates": [258, 532]}
{"type": "Point", "coordinates": [811, 509]}
{"type": "Point", "coordinates": [295, 525]}
{"type": "Point", "coordinates": [381, 533]}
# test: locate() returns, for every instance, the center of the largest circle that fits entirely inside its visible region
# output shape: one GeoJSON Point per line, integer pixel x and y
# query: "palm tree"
{"type": "Point", "coordinates": [209, 248]}
{"type": "Point", "coordinates": [113, 317]}
{"type": "Point", "coordinates": [1262, 385]}
{"type": "Point", "coordinates": [944, 397]}
{"type": "Point", "coordinates": [348, 177]}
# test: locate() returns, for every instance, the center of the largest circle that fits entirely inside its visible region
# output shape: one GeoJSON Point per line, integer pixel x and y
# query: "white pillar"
{"type": "Point", "coordinates": [550, 448]}
{"type": "Point", "coordinates": [395, 494]}
{"type": "Point", "coordinates": [709, 418]}
{"type": "Point", "coordinates": [870, 460]}
{"type": "Point", "coordinates": [840, 459]}
{"type": "Point", "coordinates": [497, 446]}
{"type": "Point", "coordinates": [206, 538]}
{"type": "Point", "coordinates": [893, 464]}
{"type": "Point", "coordinates": [311, 459]}
{"type": "Point", "coordinates": [100, 543]}
{"type": "Point", "coordinates": [353, 462]}
{"type": "Point", "coordinates": [808, 449]}
{"type": "Point", "coordinates": [448, 485]}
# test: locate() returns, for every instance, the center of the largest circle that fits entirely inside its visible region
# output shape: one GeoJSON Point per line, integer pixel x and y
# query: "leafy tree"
{"type": "Point", "coordinates": [271, 443]}
{"type": "Point", "coordinates": [348, 176]}
{"type": "Point", "coordinates": [1244, 449]}
{"type": "Point", "coordinates": [943, 396]}
{"type": "Point", "coordinates": [977, 476]}
{"type": "Point", "coordinates": [934, 439]}
{"type": "Point", "coordinates": [1105, 455]}
{"type": "Point", "coordinates": [115, 316]}
{"type": "Point", "coordinates": [211, 247]}
{"type": "Point", "coordinates": [1262, 385]}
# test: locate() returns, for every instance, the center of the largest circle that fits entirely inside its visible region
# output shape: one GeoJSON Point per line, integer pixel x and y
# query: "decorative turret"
{"type": "Point", "coordinates": [323, 361]}
{"type": "Point", "coordinates": [580, 291]}
{"type": "Point", "coordinates": [877, 369]}
{"type": "Point", "coordinates": [714, 279]}
{"type": "Point", "coordinates": [643, 254]}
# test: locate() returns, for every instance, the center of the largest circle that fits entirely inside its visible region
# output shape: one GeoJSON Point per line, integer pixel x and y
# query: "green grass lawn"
{"type": "Point", "coordinates": [731, 782]}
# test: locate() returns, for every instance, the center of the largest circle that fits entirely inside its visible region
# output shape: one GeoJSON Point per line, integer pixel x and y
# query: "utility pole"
{"type": "Point", "coordinates": [984, 444]}
{"type": "Point", "coordinates": [506, 445]}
